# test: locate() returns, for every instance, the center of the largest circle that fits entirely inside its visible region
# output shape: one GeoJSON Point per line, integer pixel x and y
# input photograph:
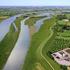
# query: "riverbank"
{"type": "Point", "coordinates": [7, 44]}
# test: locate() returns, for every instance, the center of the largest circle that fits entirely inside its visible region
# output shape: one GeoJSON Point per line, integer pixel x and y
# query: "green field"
{"type": "Point", "coordinates": [7, 44]}
{"type": "Point", "coordinates": [53, 35]}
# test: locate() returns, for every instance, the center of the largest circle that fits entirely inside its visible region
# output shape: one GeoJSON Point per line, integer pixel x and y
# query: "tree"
{"type": "Point", "coordinates": [60, 17]}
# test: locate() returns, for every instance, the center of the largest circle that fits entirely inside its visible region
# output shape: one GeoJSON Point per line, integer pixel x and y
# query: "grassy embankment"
{"type": "Point", "coordinates": [3, 18]}
{"type": "Point", "coordinates": [34, 60]}
{"type": "Point", "coordinates": [7, 44]}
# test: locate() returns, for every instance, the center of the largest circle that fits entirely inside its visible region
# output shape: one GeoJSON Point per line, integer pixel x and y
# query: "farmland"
{"type": "Point", "coordinates": [32, 20]}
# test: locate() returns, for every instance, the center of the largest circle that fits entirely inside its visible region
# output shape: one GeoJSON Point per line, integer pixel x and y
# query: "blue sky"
{"type": "Point", "coordinates": [34, 2]}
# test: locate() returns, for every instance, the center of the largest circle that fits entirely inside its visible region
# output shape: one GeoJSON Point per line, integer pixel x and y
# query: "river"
{"type": "Point", "coordinates": [17, 56]}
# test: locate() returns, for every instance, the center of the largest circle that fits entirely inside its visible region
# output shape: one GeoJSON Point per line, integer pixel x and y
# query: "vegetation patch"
{"type": "Point", "coordinates": [40, 52]}
{"type": "Point", "coordinates": [56, 44]}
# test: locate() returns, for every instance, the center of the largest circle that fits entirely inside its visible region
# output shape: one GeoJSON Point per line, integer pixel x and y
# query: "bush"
{"type": "Point", "coordinates": [60, 17]}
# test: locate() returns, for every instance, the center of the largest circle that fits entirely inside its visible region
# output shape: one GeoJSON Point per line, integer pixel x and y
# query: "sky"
{"type": "Point", "coordinates": [34, 2]}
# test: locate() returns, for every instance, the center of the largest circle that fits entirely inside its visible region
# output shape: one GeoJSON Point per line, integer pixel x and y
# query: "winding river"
{"type": "Point", "coordinates": [17, 56]}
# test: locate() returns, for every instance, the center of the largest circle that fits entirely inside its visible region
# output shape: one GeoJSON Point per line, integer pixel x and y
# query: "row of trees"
{"type": "Point", "coordinates": [60, 17]}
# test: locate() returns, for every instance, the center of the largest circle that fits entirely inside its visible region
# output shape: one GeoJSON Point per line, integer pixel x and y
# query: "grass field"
{"type": "Point", "coordinates": [7, 44]}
